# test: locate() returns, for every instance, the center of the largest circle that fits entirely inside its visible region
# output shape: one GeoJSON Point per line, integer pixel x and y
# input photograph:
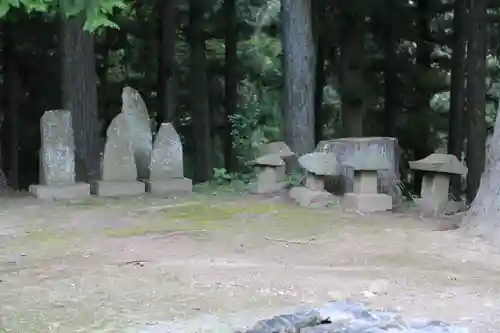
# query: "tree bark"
{"type": "Point", "coordinates": [231, 81]}
{"type": "Point", "coordinates": [390, 72]}
{"type": "Point", "coordinates": [351, 75]}
{"type": "Point", "coordinates": [199, 93]}
{"type": "Point", "coordinates": [476, 92]}
{"type": "Point", "coordinates": [167, 82]}
{"type": "Point", "coordinates": [422, 94]}
{"type": "Point", "coordinates": [457, 90]}
{"type": "Point", "coordinates": [79, 93]}
{"type": "Point", "coordinates": [12, 89]}
{"type": "Point", "coordinates": [299, 68]}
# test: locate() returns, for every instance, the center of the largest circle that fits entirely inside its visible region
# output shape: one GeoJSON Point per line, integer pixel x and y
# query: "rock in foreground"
{"type": "Point", "coordinates": [349, 317]}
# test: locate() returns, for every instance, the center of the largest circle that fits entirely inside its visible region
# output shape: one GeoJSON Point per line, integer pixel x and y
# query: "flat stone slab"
{"type": "Point", "coordinates": [60, 192]}
{"type": "Point", "coordinates": [307, 197]}
{"type": "Point", "coordinates": [265, 188]}
{"type": "Point", "coordinates": [169, 186]}
{"type": "Point", "coordinates": [104, 188]}
{"type": "Point", "coordinates": [367, 202]}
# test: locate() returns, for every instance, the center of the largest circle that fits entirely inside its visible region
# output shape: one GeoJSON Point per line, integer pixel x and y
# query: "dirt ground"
{"type": "Point", "coordinates": [113, 265]}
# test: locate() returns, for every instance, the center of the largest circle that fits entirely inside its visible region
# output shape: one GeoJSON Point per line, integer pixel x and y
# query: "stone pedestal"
{"type": "Point", "coordinates": [435, 187]}
{"type": "Point", "coordinates": [315, 182]}
{"type": "Point", "coordinates": [103, 188]}
{"type": "Point", "coordinates": [169, 186]}
{"type": "Point", "coordinates": [367, 202]}
{"type": "Point", "coordinates": [60, 192]}
{"type": "Point", "coordinates": [263, 188]}
{"type": "Point", "coordinates": [365, 181]}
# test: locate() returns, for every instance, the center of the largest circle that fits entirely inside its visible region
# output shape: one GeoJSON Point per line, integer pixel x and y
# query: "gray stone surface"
{"type": "Point", "coordinates": [349, 317]}
{"type": "Point", "coordinates": [272, 160]}
{"type": "Point", "coordinates": [368, 159]}
{"type": "Point", "coordinates": [118, 163]}
{"type": "Point", "coordinates": [367, 202]}
{"type": "Point", "coordinates": [310, 198]}
{"type": "Point", "coordinates": [57, 152]}
{"type": "Point", "coordinates": [139, 129]}
{"type": "Point", "coordinates": [277, 147]}
{"type": "Point", "coordinates": [60, 192]}
{"type": "Point", "coordinates": [169, 186]}
{"type": "Point", "coordinates": [442, 163]}
{"type": "Point", "coordinates": [319, 163]}
{"type": "Point", "coordinates": [344, 148]}
{"type": "Point", "coordinates": [167, 156]}
{"type": "Point", "coordinates": [117, 188]}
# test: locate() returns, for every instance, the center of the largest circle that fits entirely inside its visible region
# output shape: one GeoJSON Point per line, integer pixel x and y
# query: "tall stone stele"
{"type": "Point", "coordinates": [57, 159]}
{"type": "Point", "coordinates": [118, 167]}
{"type": "Point", "coordinates": [138, 127]}
{"type": "Point", "coordinates": [166, 167]}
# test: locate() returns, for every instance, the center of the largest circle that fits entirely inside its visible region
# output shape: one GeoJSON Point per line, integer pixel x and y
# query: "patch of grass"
{"type": "Point", "coordinates": [39, 237]}
{"type": "Point", "coordinates": [198, 216]}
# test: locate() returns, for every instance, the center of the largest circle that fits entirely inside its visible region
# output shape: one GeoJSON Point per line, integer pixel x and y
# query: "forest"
{"type": "Point", "coordinates": [233, 74]}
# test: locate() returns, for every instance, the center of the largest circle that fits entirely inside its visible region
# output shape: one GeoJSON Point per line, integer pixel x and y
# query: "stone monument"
{"type": "Point", "coordinates": [282, 150]}
{"type": "Point", "coordinates": [57, 159]}
{"type": "Point", "coordinates": [166, 167]}
{"type": "Point", "coordinates": [366, 198]}
{"type": "Point", "coordinates": [269, 176]}
{"type": "Point", "coordinates": [118, 168]}
{"type": "Point", "coordinates": [139, 129]}
{"type": "Point", "coordinates": [344, 148]}
{"type": "Point", "coordinates": [436, 180]}
{"type": "Point", "coordinates": [317, 165]}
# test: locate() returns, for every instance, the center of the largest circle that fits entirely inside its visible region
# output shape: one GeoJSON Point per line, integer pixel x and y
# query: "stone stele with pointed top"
{"type": "Point", "coordinates": [436, 181]}
{"type": "Point", "coordinates": [166, 168]}
{"type": "Point", "coordinates": [118, 165]}
{"type": "Point", "coordinates": [139, 129]}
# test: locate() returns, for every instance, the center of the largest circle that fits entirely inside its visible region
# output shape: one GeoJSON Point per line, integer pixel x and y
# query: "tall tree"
{"type": "Point", "coordinates": [391, 98]}
{"type": "Point", "coordinates": [352, 21]}
{"type": "Point", "coordinates": [167, 82]}
{"type": "Point", "coordinates": [476, 95]}
{"type": "Point", "coordinates": [12, 92]}
{"type": "Point", "coordinates": [422, 94]}
{"type": "Point", "coordinates": [231, 80]}
{"type": "Point", "coordinates": [457, 89]}
{"type": "Point", "coordinates": [320, 21]}
{"type": "Point", "coordinates": [299, 68]}
{"type": "Point", "coordinates": [79, 93]}
{"type": "Point", "coordinates": [199, 92]}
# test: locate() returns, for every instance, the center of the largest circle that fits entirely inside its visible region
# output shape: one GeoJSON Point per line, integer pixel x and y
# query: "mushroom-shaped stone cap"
{"type": "Point", "coordinates": [272, 160]}
{"type": "Point", "coordinates": [319, 163]}
{"type": "Point", "coordinates": [368, 160]}
{"type": "Point", "coordinates": [444, 163]}
{"type": "Point", "coordinates": [278, 147]}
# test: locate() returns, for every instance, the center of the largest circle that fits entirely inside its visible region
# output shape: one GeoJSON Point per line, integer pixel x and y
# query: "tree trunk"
{"type": "Point", "coordinates": [12, 90]}
{"type": "Point", "coordinates": [476, 92]}
{"type": "Point", "coordinates": [457, 90]}
{"type": "Point", "coordinates": [79, 91]}
{"type": "Point", "coordinates": [167, 16]}
{"type": "Point", "coordinates": [481, 219]}
{"type": "Point", "coordinates": [319, 117]}
{"type": "Point", "coordinates": [299, 67]}
{"type": "Point", "coordinates": [391, 97]}
{"type": "Point", "coordinates": [351, 75]}
{"type": "Point", "coordinates": [199, 93]}
{"type": "Point", "coordinates": [231, 82]}
{"type": "Point", "coordinates": [422, 95]}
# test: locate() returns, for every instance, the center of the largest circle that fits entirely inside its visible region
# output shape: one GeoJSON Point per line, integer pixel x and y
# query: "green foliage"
{"type": "Point", "coordinates": [97, 12]}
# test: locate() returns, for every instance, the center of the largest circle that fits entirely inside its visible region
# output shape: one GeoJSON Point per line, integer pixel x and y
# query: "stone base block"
{"type": "Point", "coordinates": [60, 192]}
{"type": "Point", "coordinates": [307, 197]}
{"type": "Point", "coordinates": [103, 188]}
{"type": "Point", "coordinates": [263, 188]}
{"type": "Point", "coordinates": [170, 186]}
{"type": "Point", "coordinates": [367, 203]}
